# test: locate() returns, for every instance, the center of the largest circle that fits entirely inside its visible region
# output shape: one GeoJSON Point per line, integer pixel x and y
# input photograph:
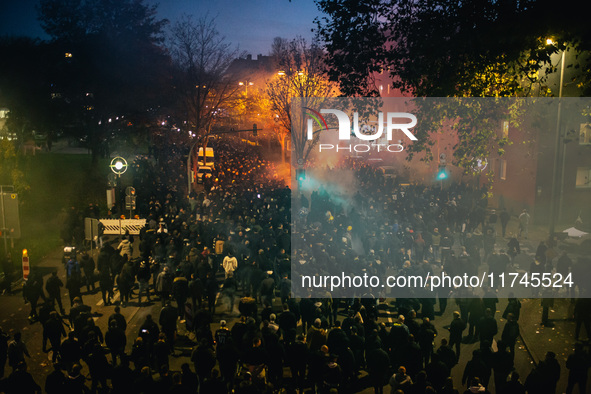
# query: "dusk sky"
{"type": "Point", "coordinates": [250, 24]}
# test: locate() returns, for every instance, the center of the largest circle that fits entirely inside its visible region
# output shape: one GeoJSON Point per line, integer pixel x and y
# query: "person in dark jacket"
{"type": "Point", "coordinates": [149, 332]}
{"type": "Point", "coordinates": [71, 351]}
{"type": "Point", "coordinates": [287, 324]}
{"type": "Point", "coordinates": [550, 370]}
{"type": "Point", "coordinates": [229, 288]}
{"type": "Point", "coordinates": [510, 333]}
{"type": "Point", "coordinates": [88, 266]}
{"type": "Point", "coordinates": [487, 327]}
{"type": "Point", "coordinates": [203, 357]}
{"type": "Point", "coordinates": [502, 364]}
{"type": "Point", "coordinates": [53, 287]}
{"type": "Point", "coordinates": [476, 368]}
{"type": "Point", "coordinates": [119, 318]}
{"type": "Point", "coordinates": [53, 330]}
{"type": "Point", "coordinates": [513, 386]}
{"type": "Point", "coordinates": [32, 290]}
{"type": "Point", "coordinates": [167, 320]}
{"type": "Point", "coordinates": [116, 340]}
{"type": "Point", "coordinates": [427, 334]}
{"type": "Point", "coordinates": [55, 381]}
{"type": "Point", "coordinates": [20, 381]}
{"type": "Point", "coordinates": [196, 290]}
{"type": "Point", "coordinates": [578, 365]}
{"type": "Point", "coordinates": [125, 281]}
{"type": "Point", "coordinates": [143, 276]}
{"type": "Point", "coordinates": [211, 291]}
{"type": "Point", "coordinates": [180, 292]}
{"type": "Point", "coordinates": [378, 364]}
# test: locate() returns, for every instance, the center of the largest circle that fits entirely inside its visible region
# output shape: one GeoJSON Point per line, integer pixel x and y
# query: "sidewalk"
{"type": "Point", "coordinates": [537, 339]}
{"type": "Point", "coordinates": [558, 339]}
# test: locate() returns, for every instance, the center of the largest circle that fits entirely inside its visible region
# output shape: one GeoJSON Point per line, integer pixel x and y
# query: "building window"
{"type": "Point", "coordinates": [503, 169]}
{"type": "Point", "coordinates": [506, 129]}
{"type": "Point", "coordinates": [585, 134]}
{"type": "Point", "coordinates": [583, 180]}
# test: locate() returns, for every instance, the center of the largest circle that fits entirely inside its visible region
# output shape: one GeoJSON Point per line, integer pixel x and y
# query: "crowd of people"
{"type": "Point", "coordinates": [197, 256]}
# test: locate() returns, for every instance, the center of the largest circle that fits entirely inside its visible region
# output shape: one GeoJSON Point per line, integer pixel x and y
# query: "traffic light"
{"type": "Point", "coordinates": [254, 129]}
{"type": "Point", "coordinates": [442, 173]}
{"type": "Point", "coordinates": [300, 174]}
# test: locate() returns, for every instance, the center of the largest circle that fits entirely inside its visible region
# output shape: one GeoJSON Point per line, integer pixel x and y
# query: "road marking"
{"type": "Point", "coordinates": [115, 298]}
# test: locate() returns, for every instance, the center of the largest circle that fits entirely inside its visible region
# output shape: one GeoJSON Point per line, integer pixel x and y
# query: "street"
{"type": "Point", "coordinates": [538, 339]}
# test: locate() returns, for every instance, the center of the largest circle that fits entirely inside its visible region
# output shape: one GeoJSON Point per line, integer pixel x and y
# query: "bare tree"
{"type": "Point", "coordinates": [202, 57]}
{"type": "Point", "coordinates": [301, 75]}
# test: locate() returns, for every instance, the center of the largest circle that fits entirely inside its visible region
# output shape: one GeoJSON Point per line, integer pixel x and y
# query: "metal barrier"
{"type": "Point", "coordinates": [119, 226]}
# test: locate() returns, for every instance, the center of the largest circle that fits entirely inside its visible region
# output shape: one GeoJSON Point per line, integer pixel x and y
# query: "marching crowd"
{"type": "Point", "coordinates": [233, 242]}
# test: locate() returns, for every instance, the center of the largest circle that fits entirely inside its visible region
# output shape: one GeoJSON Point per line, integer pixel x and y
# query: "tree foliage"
{"type": "Point", "coordinates": [24, 87]}
{"type": "Point", "coordinates": [10, 171]}
{"type": "Point", "coordinates": [301, 76]}
{"type": "Point", "coordinates": [201, 58]}
{"type": "Point", "coordinates": [477, 48]}
{"type": "Point", "coordinates": [117, 65]}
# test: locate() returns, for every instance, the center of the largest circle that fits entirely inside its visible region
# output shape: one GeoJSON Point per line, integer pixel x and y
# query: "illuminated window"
{"type": "Point", "coordinates": [585, 134]}
{"type": "Point", "coordinates": [583, 180]}
{"type": "Point", "coordinates": [503, 169]}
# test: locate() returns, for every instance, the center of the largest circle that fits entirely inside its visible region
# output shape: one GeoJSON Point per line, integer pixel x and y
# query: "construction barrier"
{"type": "Point", "coordinates": [120, 226]}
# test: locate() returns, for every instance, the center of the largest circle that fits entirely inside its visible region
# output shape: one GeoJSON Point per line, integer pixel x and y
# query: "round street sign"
{"type": "Point", "coordinates": [118, 165]}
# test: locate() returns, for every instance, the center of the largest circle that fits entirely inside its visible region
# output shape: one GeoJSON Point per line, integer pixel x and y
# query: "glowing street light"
{"type": "Point", "coordinates": [246, 85]}
{"type": "Point", "coordinates": [118, 165]}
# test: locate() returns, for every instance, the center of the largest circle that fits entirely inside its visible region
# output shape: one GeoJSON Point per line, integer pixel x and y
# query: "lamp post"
{"type": "Point", "coordinates": [558, 140]}
{"type": "Point", "coordinates": [246, 85]}
{"type": "Point", "coordinates": [118, 166]}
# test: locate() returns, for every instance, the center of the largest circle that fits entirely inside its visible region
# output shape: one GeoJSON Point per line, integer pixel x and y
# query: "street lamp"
{"type": "Point", "coordinates": [246, 85]}
{"type": "Point", "coordinates": [118, 166]}
{"type": "Point", "coordinates": [553, 208]}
